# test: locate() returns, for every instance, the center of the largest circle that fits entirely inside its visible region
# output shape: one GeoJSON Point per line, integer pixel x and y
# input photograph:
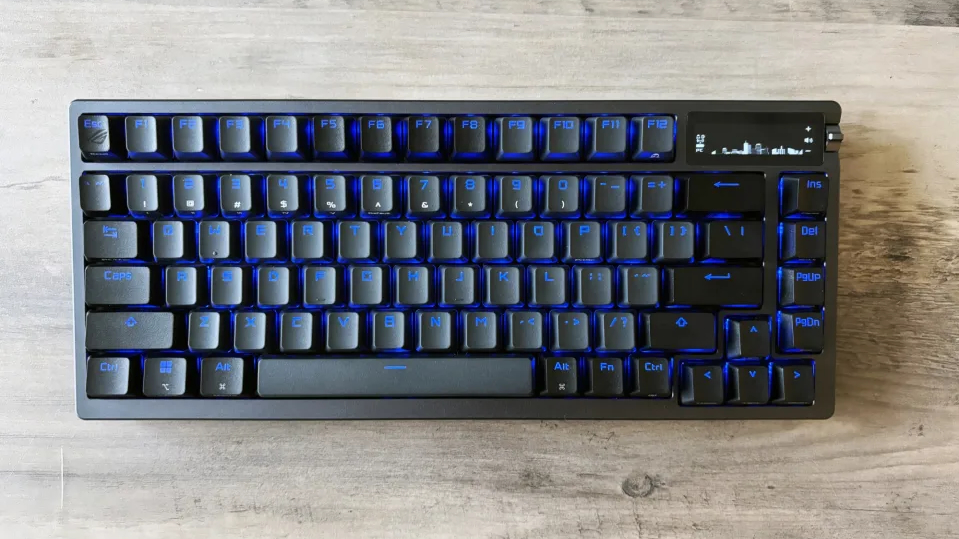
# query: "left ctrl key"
{"type": "Point", "coordinates": [108, 377]}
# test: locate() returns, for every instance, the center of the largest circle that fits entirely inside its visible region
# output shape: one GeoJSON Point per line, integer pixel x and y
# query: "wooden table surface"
{"type": "Point", "coordinates": [887, 464]}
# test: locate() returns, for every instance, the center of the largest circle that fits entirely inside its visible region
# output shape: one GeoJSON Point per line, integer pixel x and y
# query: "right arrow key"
{"type": "Point", "coordinates": [794, 384]}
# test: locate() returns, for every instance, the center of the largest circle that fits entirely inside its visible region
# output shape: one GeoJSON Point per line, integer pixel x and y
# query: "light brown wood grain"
{"type": "Point", "coordinates": [887, 464]}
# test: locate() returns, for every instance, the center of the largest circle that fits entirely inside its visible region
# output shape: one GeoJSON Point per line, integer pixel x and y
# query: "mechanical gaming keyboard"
{"type": "Point", "coordinates": [392, 259]}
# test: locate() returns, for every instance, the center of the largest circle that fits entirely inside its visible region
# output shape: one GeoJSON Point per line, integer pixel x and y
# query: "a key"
{"type": "Point", "coordinates": [423, 196]}
{"type": "Point", "coordinates": [434, 331]}
{"type": "Point", "coordinates": [329, 137]}
{"type": "Point", "coordinates": [376, 195]}
{"type": "Point", "coordinates": [582, 241]}
{"type": "Point", "coordinates": [733, 240]}
{"type": "Point", "coordinates": [702, 385]}
{"type": "Point", "coordinates": [615, 331]}
{"type": "Point", "coordinates": [793, 384]}
{"type": "Point", "coordinates": [504, 286]}
{"type": "Point", "coordinates": [560, 375]}
{"type": "Point", "coordinates": [651, 377]}
{"type": "Point", "coordinates": [221, 377]}
{"type": "Point", "coordinates": [239, 138]}
{"type": "Point", "coordinates": [469, 138]}
{"type": "Point", "coordinates": [514, 196]}
{"type": "Point", "coordinates": [282, 195]}
{"type": "Point", "coordinates": [165, 377]}
{"type": "Point", "coordinates": [260, 242]}
{"type": "Point", "coordinates": [355, 241]}
{"type": "Point", "coordinates": [108, 377]}
{"type": "Point", "coordinates": [143, 194]}
{"type": "Point", "coordinates": [425, 138]}
{"type": "Point", "coordinates": [674, 241]}
{"type": "Point", "coordinates": [144, 142]}
{"type": "Point", "coordinates": [804, 194]}
{"type": "Point", "coordinates": [285, 138]}
{"type": "Point", "coordinates": [388, 333]}
{"type": "Point", "coordinates": [188, 195]}
{"type": "Point", "coordinates": [376, 138]}
{"type": "Point", "coordinates": [715, 285]}
{"type": "Point", "coordinates": [296, 332]}
{"type": "Point", "coordinates": [627, 241]}
{"type": "Point", "coordinates": [690, 332]}
{"type": "Point", "coordinates": [95, 138]}
{"type": "Point", "coordinates": [110, 239]}
{"type": "Point", "coordinates": [638, 286]}
{"type": "Point", "coordinates": [95, 196]}
{"type": "Point", "coordinates": [569, 331]}
{"type": "Point", "coordinates": [446, 242]}
{"type": "Point", "coordinates": [321, 286]}
{"type": "Point", "coordinates": [236, 195]}
{"type": "Point", "coordinates": [747, 338]}
{"type": "Point", "coordinates": [273, 286]}
{"type": "Point", "coordinates": [592, 286]}
{"type": "Point", "coordinates": [652, 195]}
{"type": "Point", "coordinates": [606, 138]}
{"type": "Point", "coordinates": [129, 331]}
{"type": "Point", "coordinates": [560, 196]}
{"type": "Point", "coordinates": [345, 331]}
{"type": "Point", "coordinates": [182, 286]}
{"type": "Point", "coordinates": [805, 240]}
{"type": "Point", "coordinates": [457, 286]}
{"type": "Point", "coordinates": [332, 196]}
{"type": "Point", "coordinates": [208, 331]}
{"type": "Point", "coordinates": [653, 138]}
{"type": "Point", "coordinates": [560, 138]}
{"type": "Point", "coordinates": [747, 384]}
{"type": "Point", "coordinates": [310, 241]}
{"type": "Point", "coordinates": [218, 241]}
{"type": "Point", "coordinates": [491, 241]}
{"type": "Point", "coordinates": [722, 193]}
{"type": "Point", "coordinates": [191, 136]}
{"type": "Point", "coordinates": [401, 241]}
{"type": "Point", "coordinates": [515, 134]}
{"type": "Point", "coordinates": [537, 241]}
{"type": "Point", "coordinates": [368, 286]}
{"type": "Point", "coordinates": [480, 331]}
{"type": "Point", "coordinates": [605, 196]}
{"type": "Point", "coordinates": [228, 286]}
{"type": "Point", "coordinates": [801, 332]}
{"type": "Point", "coordinates": [524, 331]}
{"type": "Point", "coordinates": [250, 332]}
{"type": "Point", "coordinates": [605, 377]}
{"type": "Point", "coordinates": [802, 286]}
{"type": "Point", "coordinates": [118, 285]}
{"type": "Point", "coordinates": [469, 197]}
{"type": "Point", "coordinates": [413, 285]}
{"type": "Point", "coordinates": [547, 285]}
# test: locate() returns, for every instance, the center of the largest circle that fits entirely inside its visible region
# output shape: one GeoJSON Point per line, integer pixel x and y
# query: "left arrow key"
{"type": "Point", "coordinates": [130, 331]}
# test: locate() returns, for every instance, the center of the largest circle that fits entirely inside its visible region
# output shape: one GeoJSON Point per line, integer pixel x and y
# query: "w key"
{"type": "Point", "coordinates": [715, 285]}
{"type": "Point", "coordinates": [723, 193]}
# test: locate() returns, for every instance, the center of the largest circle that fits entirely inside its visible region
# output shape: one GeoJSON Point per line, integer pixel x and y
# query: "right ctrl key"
{"type": "Point", "coordinates": [794, 384]}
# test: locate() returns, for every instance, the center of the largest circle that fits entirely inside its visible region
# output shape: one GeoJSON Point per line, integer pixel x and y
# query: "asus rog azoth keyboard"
{"type": "Point", "coordinates": [444, 259]}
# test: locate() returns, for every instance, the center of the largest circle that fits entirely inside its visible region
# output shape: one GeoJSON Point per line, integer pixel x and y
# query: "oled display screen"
{"type": "Point", "coordinates": [743, 138]}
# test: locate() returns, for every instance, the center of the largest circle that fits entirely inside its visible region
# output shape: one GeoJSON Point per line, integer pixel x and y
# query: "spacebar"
{"type": "Point", "coordinates": [333, 377]}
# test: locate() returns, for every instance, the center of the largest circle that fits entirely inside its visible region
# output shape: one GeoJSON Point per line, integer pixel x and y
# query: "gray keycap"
{"type": "Point", "coordinates": [110, 239]}
{"type": "Point", "coordinates": [206, 332]}
{"type": "Point", "coordinates": [129, 331]}
{"type": "Point", "coordinates": [524, 331]}
{"type": "Point", "coordinates": [388, 331]}
{"type": "Point", "coordinates": [250, 331]}
{"type": "Point", "coordinates": [236, 194]}
{"type": "Point", "coordinates": [188, 196]}
{"type": "Point", "coordinates": [296, 332]}
{"type": "Point", "coordinates": [504, 285]}
{"type": "Point", "coordinates": [272, 286]}
{"type": "Point", "coordinates": [321, 286]}
{"type": "Point", "coordinates": [345, 331]}
{"type": "Point", "coordinates": [260, 240]}
{"type": "Point", "coordinates": [228, 286]}
{"type": "Point", "coordinates": [311, 240]}
{"type": "Point", "coordinates": [216, 240]}
{"type": "Point", "coordinates": [95, 193]}
{"type": "Point", "coordinates": [413, 285]}
{"type": "Point", "coordinates": [547, 285]}
{"type": "Point", "coordinates": [434, 331]}
{"type": "Point", "coordinates": [480, 331]}
{"type": "Point", "coordinates": [117, 285]}
{"type": "Point", "coordinates": [169, 240]}
{"type": "Point", "coordinates": [143, 195]}
{"type": "Point", "coordinates": [401, 241]}
{"type": "Point", "coordinates": [181, 286]}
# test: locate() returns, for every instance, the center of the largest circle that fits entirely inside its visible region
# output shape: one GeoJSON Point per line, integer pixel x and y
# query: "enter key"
{"type": "Point", "coordinates": [715, 286]}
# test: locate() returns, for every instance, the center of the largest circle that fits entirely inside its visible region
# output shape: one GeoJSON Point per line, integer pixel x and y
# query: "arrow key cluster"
{"type": "Point", "coordinates": [712, 384]}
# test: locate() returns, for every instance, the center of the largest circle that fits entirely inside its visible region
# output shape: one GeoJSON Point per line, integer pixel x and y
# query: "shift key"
{"type": "Point", "coordinates": [723, 193]}
{"type": "Point", "coordinates": [129, 331]}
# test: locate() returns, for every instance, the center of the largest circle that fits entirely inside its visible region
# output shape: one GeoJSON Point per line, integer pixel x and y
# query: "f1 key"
{"type": "Point", "coordinates": [722, 193]}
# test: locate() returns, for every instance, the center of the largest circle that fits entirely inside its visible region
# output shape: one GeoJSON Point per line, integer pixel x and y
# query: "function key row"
{"type": "Point", "coordinates": [377, 138]}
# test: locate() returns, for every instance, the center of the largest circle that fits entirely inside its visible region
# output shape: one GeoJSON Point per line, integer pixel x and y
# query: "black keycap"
{"type": "Point", "coordinates": [250, 332]}
{"type": "Point", "coordinates": [368, 285]}
{"type": "Point", "coordinates": [457, 286]}
{"type": "Point", "coordinates": [524, 331]}
{"type": "Point", "coordinates": [560, 376]}
{"type": "Point", "coordinates": [310, 241]}
{"type": "Point", "coordinates": [341, 377]}
{"type": "Point", "coordinates": [514, 196]}
{"type": "Point", "coordinates": [653, 138]}
{"type": "Point", "coordinates": [692, 332]}
{"type": "Point", "coordinates": [605, 196]}
{"type": "Point", "coordinates": [296, 332]}
{"type": "Point", "coordinates": [181, 286]}
{"type": "Point", "coordinates": [108, 377]}
{"type": "Point", "coordinates": [480, 331]}
{"type": "Point", "coordinates": [805, 194]}
{"type": "Point", "coordinates": [321, 286]}
{"type": "Point", "coordinates": [345, 331]}
{"type": "Point", "coordinates": [388, 331]}
{"type": "Point", "coordinates": [747, 384]}
{"type": "Point", "coordinates": [592, 286]}
{"type": "Point", "coordinates": [615, 331]}
{"type": "Point", "coordinates": [221, 377]}
{"type": "Point", "coordinates": [560, 196]}
{"type": "Point", "coordinates": [165, 377]}
{"type": "Point", "coordinates": [425, 138]}
{"type": "Point", "coordinates": [143, 140]}
{"type": "Point", "coordinates": [130, 331]}
{"type": "Point", "coordinates": [401, 241]}
{"type": "Point", "coordinates": [803, 241]}
{"type": "Point", "coordinates": [143, 194]}
{"type": "Point", "coordinates": [606, 138]}
{"type": "Point", "coordinates": [469, 138]}
{"type": "Point", "coordinates": [208, 331]}
{"type": "Point", "coordinates": [423, 196]}
{"type": "Point", "coordinates": [414, 285]}
{"type": "Point", "coordinates": [285, 138]}
{"type": "Point", "coordinates": [260, 242]}
{"type": "Point", "coordinates": [802, 286]}
{"type": "Point", "coordinates": [218, 241]}
{"type": "Point", "coordinates": [560, 138]}
{"type": "Point", "coordinates": [239, 138]}
{"type": "Point", "coordinates": [273, 286]}
{"type": "Point", "coordinates": [188, 195]}
{"type": "Point", "coordinates": [801, 332]}
{"type": "Point", "coordinates": [117, 285]}
{"type": "Point", "coordinates": [110, 239]}
{"type": "Point", "coordinates": [547, 285]}
{"type": "Point", "coordinates": [355, 241]}
{"type": "Point", "coordinates": [332, 196]}
{"type": "Point", "coordinates": [491, 241]}
{"type": "Point", "coordinates": [702, 385]}
{"type": "Point", "coordinates": [95, 194]}
{"type": "Point", "coordinates": [733, 240]}
{"type": "Point", "coordinates": [569, 331]}
{"type": "Point", "coordinates": [282, 195]}
{"type": "Point", "coordinates": [793, 384]}
{"type": "Point", "coordinates": [236, 195]}
{"type": "Point", "coordinates": [652, 195]}
{"type": "Point", "coordinates": [747, 338]}
{"type": "Point", "coordinates": [638, 286]}
{"type": "Point", "coordinates": [715, 285]}
{"type": "Point", "coordinates": [229, 286]}
{"type": "Point", "coordinates": [537, 241]}
{"type": "Point", "coordinates": [627, 240]}
{"type": "Point", "coordinates": [376, 195]}
{"type": "Point", "coordinates": [192, 138]}
{"type": "Point", "coordinates": [582, 241]}
{"type": "Point", "coordinates": [434, 331]}
{"type": "Point", "coordinates": [515, 138]}
{"type": "Point", "coordinates": [330, 137]}
{"type": "Point", "coordinates": [376, 138]}
{"type": "Point", "coordinates": [723, 193]}
{"type": "Point", "coordinates": [95, 139]}
{"type": "Point", "coordinates": [504, 286]}
{"type": "Point", "coordinates": [605, 377]}
{"type": "Point", "coordinates": [446, 242]}
{"type": "Point", "coordinates": [469, 196]}
{"type": "Point", "coordinates": [650, 377]}
{"type": "Point", "coordinates": [674, 241]}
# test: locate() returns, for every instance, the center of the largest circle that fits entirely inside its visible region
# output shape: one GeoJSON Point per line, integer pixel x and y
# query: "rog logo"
{"type": "Point", "coordinates": [98, 136]}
